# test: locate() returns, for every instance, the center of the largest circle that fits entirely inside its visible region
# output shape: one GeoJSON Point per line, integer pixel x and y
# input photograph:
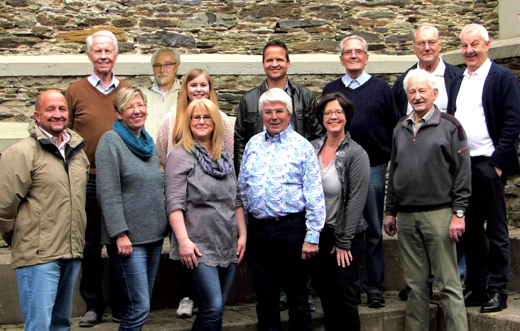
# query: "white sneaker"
{"type": "Point", "coordinates": [185, 308]}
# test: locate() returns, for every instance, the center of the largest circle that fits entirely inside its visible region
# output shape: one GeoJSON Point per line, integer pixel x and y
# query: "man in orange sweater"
{"type": "Point", "coordinates": [91, 114]}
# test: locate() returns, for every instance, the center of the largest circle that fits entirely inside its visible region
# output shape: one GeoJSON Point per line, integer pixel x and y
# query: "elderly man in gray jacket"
{"type": "Point", "coordinates": [428, 189]}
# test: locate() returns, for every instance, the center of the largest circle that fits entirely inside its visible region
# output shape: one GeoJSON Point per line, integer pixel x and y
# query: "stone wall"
{"type": "Point", "coordinates": [233, 26]}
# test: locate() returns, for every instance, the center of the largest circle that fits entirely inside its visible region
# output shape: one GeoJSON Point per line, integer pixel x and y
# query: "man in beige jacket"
{"type": "Point", "coordinates": [42, 213]}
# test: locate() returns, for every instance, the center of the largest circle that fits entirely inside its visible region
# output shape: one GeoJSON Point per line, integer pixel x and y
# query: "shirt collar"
{"type": "Point", "coordinates": [439, 71]}
{"type": "Point", "coordinates": [279, 137]}
{"type": "Point", "coordinates": [425, 118]}
{"type": "Point", "coordinates": [156, 87]}
{"type": "Point", "coordinates": [65, 137]}
{"type": "Point", "coordinates": [482, 70]}
{"type": "Point", "coordinates": [362, 79]}
{"type": "Point", "coordinates": [95, 81]}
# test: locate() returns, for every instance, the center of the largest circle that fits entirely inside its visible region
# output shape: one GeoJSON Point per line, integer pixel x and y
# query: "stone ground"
{"type": "Point", "coordinates": [243, 317]}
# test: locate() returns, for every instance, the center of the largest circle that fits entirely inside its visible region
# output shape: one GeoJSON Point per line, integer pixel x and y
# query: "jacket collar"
{"type": "Point", "coordinates": [36, 133]}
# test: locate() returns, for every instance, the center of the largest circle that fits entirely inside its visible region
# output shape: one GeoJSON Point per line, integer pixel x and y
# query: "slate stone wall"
{"type": "Point", "coordinates": [233, 26]}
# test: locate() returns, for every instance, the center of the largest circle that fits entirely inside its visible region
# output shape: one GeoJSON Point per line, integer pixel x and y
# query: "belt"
{"type": "Point", "coordinates": [279, 218]}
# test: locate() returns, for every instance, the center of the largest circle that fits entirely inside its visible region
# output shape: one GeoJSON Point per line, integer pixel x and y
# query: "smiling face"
{"type": "Point", "coordinates": [353, 57]}
{"type": "Point", "coordinates": [276, 117]}
{"type": "Point", "coordinates": [102, 55]}
{"type": "Point", "coordinates": [474, 50]}
{"type": "Point", "coordinates": [164, 69]}
{"type": "Point", "coordinates": [275, 63]}
{"type": "Point", "coordinates": [334, 122]}
{"type": "Point", "coordinates": [52, 113]}
{"type": "Point", "coordinates": [420, 95]}
{"type": "Point", "coordinates": [201, 124]}
{"type": "Point", "coordinates": [133, 115]}
{"type": "Point", "coordinates": [427, 47]}
{"type": "Point", "coordinates": [198, 88]}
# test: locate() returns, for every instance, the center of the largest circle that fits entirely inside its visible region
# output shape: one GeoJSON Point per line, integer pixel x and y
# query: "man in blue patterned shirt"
{"type": "Point", "coordinates": [280, 186]}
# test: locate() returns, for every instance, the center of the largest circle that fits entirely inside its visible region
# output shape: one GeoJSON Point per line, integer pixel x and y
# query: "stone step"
{"type": "Point", "coordinates": [242, 317]}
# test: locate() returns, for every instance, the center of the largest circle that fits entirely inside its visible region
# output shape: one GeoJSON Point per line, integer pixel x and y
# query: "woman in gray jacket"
{"type": "Point", "coordinates": [345, 173]}
{"type": "Point", "coordinates": [130, 194]}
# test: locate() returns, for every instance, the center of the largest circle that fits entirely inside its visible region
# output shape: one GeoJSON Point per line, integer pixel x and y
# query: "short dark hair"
{"type": "Point", "coordinates": [346, 105]}
{"type": "Point", "coordinates": [276, 43]}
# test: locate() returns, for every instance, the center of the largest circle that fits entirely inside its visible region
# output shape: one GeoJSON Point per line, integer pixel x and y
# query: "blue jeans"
{"type": "Point", "coordinates": [45, 294]}
{"type": "Point", "coordinates": [211, 286]}
{"type": "Point", "coordinates": [136, 276]}
{"type": "Point", "coordinates": [375, 256]}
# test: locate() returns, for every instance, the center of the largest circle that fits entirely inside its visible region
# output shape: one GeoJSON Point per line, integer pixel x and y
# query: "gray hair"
{"type": "Point", "coordinates": [101, 33]}
{"type": "Point", "coordinates": [476, 27]}
{"type": "Point", "coordinates": [344, 40]}
{"type": "Point", "coordinates": [419, 73]}
{"type": "Point", "coordinates": [425, 27]}
{"type": "Point", "coordinates": [275, 95]}
{"type": "Point", "coordinates": [175, 53]}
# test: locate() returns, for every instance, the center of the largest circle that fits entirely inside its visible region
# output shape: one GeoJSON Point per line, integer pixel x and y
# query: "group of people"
{"type": "Point", "coordinates": [309, 178]}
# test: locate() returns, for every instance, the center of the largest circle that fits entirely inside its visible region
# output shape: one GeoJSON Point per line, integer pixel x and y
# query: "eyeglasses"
{"type": "Point", "coordinates": [138, 107]}
{"type": "Point", "coordinates": [270, 112]}
{"type": "Point", "coordinates": [197, 118]}
{"type": "Point", "coordinates": [337, 112]}
{"type": "Point", "coordinates": [422, 43]}
{"type": "Point", "coordinates": [349, 52]}
{"type": "Point", "coordinates": [166, 65]}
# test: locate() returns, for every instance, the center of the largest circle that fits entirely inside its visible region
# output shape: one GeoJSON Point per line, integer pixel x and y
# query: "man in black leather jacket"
{"type": "Point", "coordinates": [275, 60]}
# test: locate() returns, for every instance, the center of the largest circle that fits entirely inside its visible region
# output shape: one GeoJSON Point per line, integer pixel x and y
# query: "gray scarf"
{"type": "Point", "coordinates": [215, 168]}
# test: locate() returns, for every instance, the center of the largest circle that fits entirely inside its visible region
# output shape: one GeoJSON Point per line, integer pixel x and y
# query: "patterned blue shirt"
{"type": "Point", "coordinates": [280, 175]}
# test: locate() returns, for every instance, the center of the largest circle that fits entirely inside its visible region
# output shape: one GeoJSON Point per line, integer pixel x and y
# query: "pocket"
{"type": "Point", "coordinates": [251, 118]}
{"type": "Point", "coordinates": [297, 222]}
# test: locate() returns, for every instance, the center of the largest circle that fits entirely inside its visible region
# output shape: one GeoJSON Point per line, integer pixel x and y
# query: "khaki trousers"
{"type": "Point", "coordinates": [424, 243]}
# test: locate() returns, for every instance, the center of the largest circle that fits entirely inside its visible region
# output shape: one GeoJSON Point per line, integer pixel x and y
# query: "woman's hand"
{"type": "Point", "coordinates": [241, 248]}
{"type": "Point", "coordinates": [124, 245]}
{"type": "Point", "coordinates": [188, 252]}
{"type": "Point", "coordinates": [343, 257]}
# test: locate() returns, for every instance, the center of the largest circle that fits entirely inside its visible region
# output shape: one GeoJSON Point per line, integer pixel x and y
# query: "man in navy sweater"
{"type": "Point", "coordinates": [486, 100]}
{"type": "Point", "coordinates": [375, 116]}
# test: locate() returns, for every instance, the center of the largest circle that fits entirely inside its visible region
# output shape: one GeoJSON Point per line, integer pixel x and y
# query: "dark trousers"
{"type": "Point", "coordinates": [91, 285]}
{"type": "Point", "coordinates": [487, 249]}
{"type": "Point", "coordinates": [274, 250]}
{"type": "Point", "coordinates": [337, 285]}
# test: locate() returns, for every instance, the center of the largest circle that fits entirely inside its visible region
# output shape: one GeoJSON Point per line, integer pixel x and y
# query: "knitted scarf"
{"type": "Point", "coordinates": [143, 146]}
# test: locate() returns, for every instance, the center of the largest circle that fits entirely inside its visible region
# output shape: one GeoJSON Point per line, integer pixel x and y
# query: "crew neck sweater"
{"type": "Point", "coordinates": [91, 114]}
{"type": "Point", "coordinates": [375, 116]}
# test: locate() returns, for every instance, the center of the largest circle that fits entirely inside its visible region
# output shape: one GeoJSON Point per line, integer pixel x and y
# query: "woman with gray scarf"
{"type": "Point", "coordinates": [206, 214]}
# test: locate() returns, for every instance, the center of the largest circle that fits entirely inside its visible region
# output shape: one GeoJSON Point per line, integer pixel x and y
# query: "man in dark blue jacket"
{"type": "Point", "coordinates": [427, 46]}
{"type": "Point", "coordinates": [486, 100]}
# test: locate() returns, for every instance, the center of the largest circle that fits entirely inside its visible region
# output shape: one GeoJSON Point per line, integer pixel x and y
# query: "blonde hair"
{"type": "Point", "coordinates": [183, 102]}
{"type": "Point", "coordinates": [217, 136]}
{"type": "Point", "coordinates": [125, 95]}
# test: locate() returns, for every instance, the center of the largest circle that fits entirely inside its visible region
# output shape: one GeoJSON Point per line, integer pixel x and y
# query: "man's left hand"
{"type": "Point", "coordinates": [309, 250]}
{"type": "Point", "coordinates": [457, 227]}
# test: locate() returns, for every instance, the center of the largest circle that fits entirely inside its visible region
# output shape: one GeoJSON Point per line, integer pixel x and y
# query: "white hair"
{"type": "Point", "coordinates": [419, 73]}
{"type": "Point", "coordinates": [476, 27]}
{"type": "Point", "coordinates": [101, 33]}
{"type": "Point", "coordinates": [275, 95]}
{"type": "Point", "coordinates": [175, 53]}
{"type": "Point", "coordinates": [425, 27]}
{"type": "Point", "coordinates": [344, 40]}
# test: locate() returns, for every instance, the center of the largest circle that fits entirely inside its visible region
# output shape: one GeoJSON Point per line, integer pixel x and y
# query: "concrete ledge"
{"type": "Point", "coordinates": [11, 133]}
{"type": "Point", "coordinates": [224, 64]}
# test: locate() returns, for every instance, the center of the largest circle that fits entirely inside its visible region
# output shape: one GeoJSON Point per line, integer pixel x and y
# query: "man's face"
{"type": "Point", "coordinates": [353, 57]}
{"type": "Point", "coordinates": [52, 114]}
{"type": "Point", "coordinates": [164, 69]}
{"type": "Point", "coordinates": [474, 50]}
{"type": "Point", "coordinates": [420, 94]}
{"type": "Point", "coordinates": [102, 55]}
{"type": "Point", "coordinates": [275, 63]}
{"type": "Point", "coordinates": [427, 47]}
{"type": "Point", "coordinates": [276, 117]}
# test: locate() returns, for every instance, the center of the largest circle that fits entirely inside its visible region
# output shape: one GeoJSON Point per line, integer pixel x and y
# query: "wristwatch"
{"type": "Point", "coordinates": [459, 213]}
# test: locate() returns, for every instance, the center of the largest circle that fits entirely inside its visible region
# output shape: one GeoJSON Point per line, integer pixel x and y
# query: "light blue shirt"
{"type": "Point", "coordinates": [355, 83]}
{"type": "Point", "coordinates": [280, 175]}
{"type": "Point", "coordinates": [98, 84]}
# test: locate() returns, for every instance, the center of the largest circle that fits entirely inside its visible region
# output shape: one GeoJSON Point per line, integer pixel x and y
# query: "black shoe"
{"type": "Point", "coordinates": [90, 319]}
{"type": "Point", "coordinates": [375, 300]}
{"type": "Point", "coordinates": [497, 302]}
{"type": "Point", "coordinates": [474, 298]}
{"type": "Point", "coordinates": [403, 294]}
